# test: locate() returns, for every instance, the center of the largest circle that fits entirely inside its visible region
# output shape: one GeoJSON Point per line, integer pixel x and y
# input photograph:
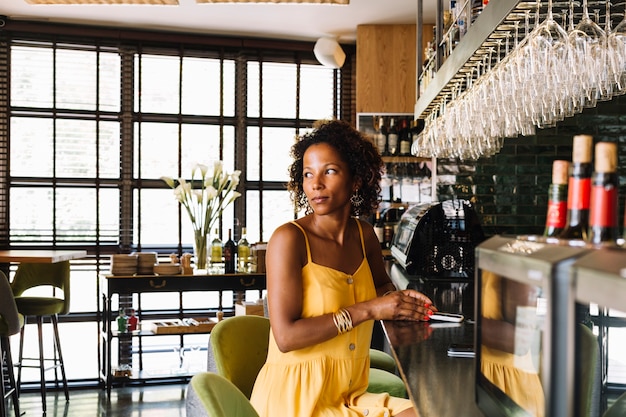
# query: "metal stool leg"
{"type": "Point", "coordinates": [8, 361]}
{"type": "Point", "coordinates": [61, 364]}
{"type": "Point", "coordinates": [20, 357]}
{"type": "Point", "coordinates": [42, 364]}
{"type": "Point", "coordinates": [3, 410]}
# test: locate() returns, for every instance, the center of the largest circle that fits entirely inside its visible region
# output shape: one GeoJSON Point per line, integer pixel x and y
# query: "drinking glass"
{"type": "Point", "coordinates": [616, 44]}
{"type": "Point", "coordinates": [588, 57]}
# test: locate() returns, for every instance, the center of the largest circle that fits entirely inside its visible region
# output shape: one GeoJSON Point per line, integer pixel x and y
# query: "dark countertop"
{"type": "Point", "coordinates": [438, 385]}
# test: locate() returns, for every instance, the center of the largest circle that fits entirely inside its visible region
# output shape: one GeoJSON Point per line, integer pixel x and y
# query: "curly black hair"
{"type": "Point", "coordinates": [362, 157]}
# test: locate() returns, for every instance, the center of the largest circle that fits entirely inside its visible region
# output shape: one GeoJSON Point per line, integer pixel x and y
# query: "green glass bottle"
{"type": "Point", "coordinates": [216, 248]}
{"type": "Point", "coordinates": [556, 217]}
{"type": "Point", "coordinates": [243, 251]}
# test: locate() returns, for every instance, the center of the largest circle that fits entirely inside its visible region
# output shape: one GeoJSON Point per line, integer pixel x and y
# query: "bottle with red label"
{"type": "Point", "coordinates": [603, 209]}
{"type": "Point", "coordinates": [579, 189]}
{"type": "Point", "coordinates": [556, 217]}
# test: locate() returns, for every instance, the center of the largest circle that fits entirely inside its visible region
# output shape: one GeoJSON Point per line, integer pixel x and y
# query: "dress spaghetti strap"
{"type": "Point", "coordinates": [306, 240]}
{"type": "Point", "coordinates": [362, 240]}
{"type": "Point", "coordinates": [308, 248]}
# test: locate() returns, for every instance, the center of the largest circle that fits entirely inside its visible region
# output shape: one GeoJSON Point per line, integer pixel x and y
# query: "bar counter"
{"type": "Point", "coordinates": [437, 384]}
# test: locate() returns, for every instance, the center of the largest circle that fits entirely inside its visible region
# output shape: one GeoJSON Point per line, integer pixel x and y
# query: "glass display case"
{"type": "Point", "coordinates": [600, 280]}
{"type": "Point", "coordinates": [525, 328]}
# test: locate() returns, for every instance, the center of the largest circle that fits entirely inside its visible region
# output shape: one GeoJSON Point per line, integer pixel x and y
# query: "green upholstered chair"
{"type": "Point", "coordinates": [589, 348]}
{"type": "Point", "coordinates": [240, 337]}
{"type": "Point", "coordinates": [226, 350]}
{"type": "Point", "coordinates": [211, 395]}
{"type": "Point", "coordinates": [10, 323]}
{"type": "Point", "coordinates": [618, 408]}
{"type": "Point", "coordinates": [588, 357]}
{"type": "Point", "coordinates": [384, 381]}
{"type": "Point", "coordinates": [47, 276]}
{"type": "Point", "coordinates": [382, 360]}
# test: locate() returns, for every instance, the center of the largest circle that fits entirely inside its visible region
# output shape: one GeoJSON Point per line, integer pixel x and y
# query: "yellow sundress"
{"type": "Point", "coordinates": [330, 378]}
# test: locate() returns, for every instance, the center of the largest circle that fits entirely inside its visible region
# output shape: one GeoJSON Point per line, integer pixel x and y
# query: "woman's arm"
{"type": "Point", "coordinates": [285, 257]}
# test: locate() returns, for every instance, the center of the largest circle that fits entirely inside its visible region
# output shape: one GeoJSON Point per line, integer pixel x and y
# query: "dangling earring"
{"type": "Point", "coordinates": [356, 199]}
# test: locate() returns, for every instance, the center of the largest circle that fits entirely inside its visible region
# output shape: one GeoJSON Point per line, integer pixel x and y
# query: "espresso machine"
{"type": "Point", "coordinates": [433, 252]}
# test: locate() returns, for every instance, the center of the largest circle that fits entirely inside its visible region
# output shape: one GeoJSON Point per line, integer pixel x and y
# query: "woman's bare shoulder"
{"type": "Point", "coordinates": [287, 239]}
{"type": "Point", "coordinates": [286, 235]}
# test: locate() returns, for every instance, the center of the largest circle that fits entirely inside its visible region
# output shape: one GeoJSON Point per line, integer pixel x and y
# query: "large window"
{"type": "Point", "coordinates": [92, 124]}
{"type": "Point", "coordinates": [77, 134]}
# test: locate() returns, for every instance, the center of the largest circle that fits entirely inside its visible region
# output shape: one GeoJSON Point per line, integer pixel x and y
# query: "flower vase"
{"type": "Point", "coordinates": [200, 250]}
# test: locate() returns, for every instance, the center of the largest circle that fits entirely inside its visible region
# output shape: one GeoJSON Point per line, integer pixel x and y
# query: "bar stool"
{"type": "Point", "coordinates": [29, 276]}
{"type": "Point", "coordinates": [10, 323]}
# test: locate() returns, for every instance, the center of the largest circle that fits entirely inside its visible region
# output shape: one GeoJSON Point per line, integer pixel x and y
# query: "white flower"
{"type": "Point", "coordinates": [211, 192]}
{"type": "Point", "coordinates": [205, 198]}
{"type": "Point", "coordinates": [234, 178]}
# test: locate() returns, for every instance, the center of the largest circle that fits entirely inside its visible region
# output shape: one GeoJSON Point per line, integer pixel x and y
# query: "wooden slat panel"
{"type": "Point", "coordinates": [386, 73]}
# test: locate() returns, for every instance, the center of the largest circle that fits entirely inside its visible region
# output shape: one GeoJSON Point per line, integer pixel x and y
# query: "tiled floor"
{"type": "Point", "coordinates": [135, 401]}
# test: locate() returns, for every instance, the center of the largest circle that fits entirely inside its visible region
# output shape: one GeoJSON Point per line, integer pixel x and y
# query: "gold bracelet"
{"type": "Point", "coordinates": [389, 292]}
{"type": "Point", "coordinates": [343, 321]}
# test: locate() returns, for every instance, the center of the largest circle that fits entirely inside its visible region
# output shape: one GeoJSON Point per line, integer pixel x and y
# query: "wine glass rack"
{"type": "Point", "coordinates": [492, 36]}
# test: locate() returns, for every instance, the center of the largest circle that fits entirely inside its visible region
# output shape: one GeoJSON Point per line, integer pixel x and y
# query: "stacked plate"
{"type": "Point", "coordinates": [123, 264]}
{"type": "Point", "coordinates": [166, 268]}
{"type": "Point", "coordinates": [145, 262]}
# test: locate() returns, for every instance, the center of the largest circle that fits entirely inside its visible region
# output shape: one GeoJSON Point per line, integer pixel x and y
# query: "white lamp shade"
{"type": "Point", "coordinates": [329, 53]}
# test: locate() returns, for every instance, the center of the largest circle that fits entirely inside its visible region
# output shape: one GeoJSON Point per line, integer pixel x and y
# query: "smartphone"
{"type": "Point", "coordinates": [460, 350]}
{"type": "Point", "coordinates": [439, 316]}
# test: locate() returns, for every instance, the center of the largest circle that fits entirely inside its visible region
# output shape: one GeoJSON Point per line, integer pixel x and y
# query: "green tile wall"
{"type": "Point", "coordinates": [509, 189]}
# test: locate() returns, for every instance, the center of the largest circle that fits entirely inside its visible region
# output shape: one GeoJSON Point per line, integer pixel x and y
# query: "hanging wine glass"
{"type": "Point", "coordinates": [605, 74]}
{"type": "Point", "coordinates": [549, 54]}
{"type": "Point", "coordinates": [617, 51]}
{"type": "Point", "coordinates": [588, 52]}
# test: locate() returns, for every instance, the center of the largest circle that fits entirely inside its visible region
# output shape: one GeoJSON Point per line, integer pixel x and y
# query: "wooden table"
{"type": "Point", "coordinates": [437, 384]}
{"type": "Point", "coordinates": [125, 286]}
{"type": "Point", "coordinates": [39, 255]}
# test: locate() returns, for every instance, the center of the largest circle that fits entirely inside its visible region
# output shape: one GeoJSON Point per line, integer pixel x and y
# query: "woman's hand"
{"type": "Point", "coordinates": [403, 305]}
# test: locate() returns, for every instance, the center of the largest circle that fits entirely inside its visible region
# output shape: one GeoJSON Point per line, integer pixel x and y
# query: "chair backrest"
{"type": "Point", "coordinates": [618, 408]}
{"type": "Point", "coordinates": [587, 356]}
{"type": "Point", "coordinates": [211, 395]}
{"type": "Point", "coordinates": [31, 275]}
{"type": "Point", "coordinates": [239, 345]}
{"type": "Point", "coordinates": [10, 322]}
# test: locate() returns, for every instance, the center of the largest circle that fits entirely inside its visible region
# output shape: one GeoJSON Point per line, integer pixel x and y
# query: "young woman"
{"type": "Point", "coordinates": [327, 284]}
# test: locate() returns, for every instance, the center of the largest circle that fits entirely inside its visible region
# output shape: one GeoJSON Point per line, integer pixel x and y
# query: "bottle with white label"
{"type": "Point", "coordinates": [392, 138]}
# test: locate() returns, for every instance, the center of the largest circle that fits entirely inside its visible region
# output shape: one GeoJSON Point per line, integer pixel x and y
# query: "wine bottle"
{"type": "Point", "coordinates": [379, 227]}
{"type": "Point", "coordinates": [624, 226]}
{"type": "Point", "coordinates": [381, 136]}
{"type": "Point", "coordinates": [243, 251]}
{"type": "Point", "coordinates": [392, 138]}
{"type": "Point", "coordinates": [389, 220]}
{"type": "Point", "coordinates": [579, 190]}
{"type": "Point", "coordinates": [405, 139]}
{"type": "Point", "coordinates": [603, 217]}
{"type": "Point", "coordinates": [556, 217]}
{"type": "Point", "coordinates": [122, 321]}
{"type": "Point", "coordinates": [229, 251]}
{"type": "Point", "coordinates": [133, 321]}
{"type": "Point", "coordinates": [216, 248]}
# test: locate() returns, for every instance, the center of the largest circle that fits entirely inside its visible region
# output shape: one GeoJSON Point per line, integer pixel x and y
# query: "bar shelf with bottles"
{"type": "Point", "coordinates": [408, 180]}
{"type": "Point", "coordinates": [457, 16]}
